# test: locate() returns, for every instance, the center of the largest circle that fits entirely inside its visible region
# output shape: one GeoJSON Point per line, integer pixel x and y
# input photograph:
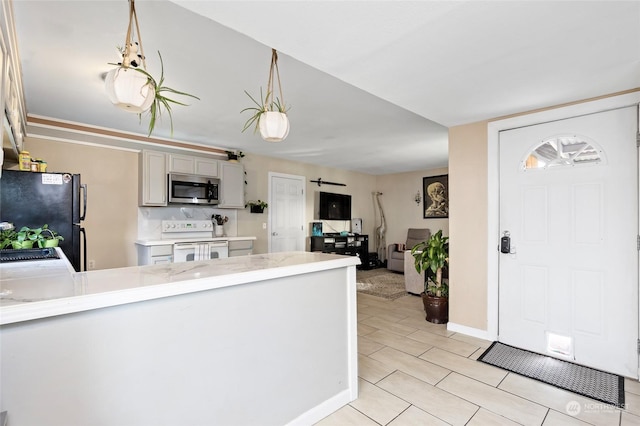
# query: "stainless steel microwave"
{"type": "Point", "coordinates": [193, 189]}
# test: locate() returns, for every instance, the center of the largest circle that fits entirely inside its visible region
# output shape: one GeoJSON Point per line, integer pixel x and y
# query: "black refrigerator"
{"type": "Point", "coordinates": [57, 199]}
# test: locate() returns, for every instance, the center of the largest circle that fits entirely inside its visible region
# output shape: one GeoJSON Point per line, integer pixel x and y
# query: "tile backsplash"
{"type": "Point", "coordinates": [150, 219]}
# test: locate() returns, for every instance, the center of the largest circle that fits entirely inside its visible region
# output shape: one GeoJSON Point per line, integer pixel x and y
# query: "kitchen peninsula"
{"type": "Point", "coordinates": [263, 339]}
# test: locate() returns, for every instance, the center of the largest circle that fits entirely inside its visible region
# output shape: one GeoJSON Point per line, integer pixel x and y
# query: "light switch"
{"type": "Point", "coordinates": [264, 225]}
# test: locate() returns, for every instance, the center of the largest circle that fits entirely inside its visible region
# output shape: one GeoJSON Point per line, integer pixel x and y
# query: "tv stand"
{"type": "Point", "coordinates": [350, 245]}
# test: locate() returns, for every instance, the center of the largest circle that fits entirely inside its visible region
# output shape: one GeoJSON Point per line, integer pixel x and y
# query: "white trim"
{"type": "Point", "coordinates": [493, 181]}
{"type": "Point", "coordinates": [323, 409]}
{"type": "Point", "coordinates": [469, 331]}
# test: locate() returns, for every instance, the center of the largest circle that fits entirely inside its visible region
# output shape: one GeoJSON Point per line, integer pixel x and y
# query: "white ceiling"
{"type": "Point", "coordinates": [373, 85]}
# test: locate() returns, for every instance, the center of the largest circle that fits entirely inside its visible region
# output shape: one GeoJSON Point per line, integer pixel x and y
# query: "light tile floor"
{"type": "Point", "coordinates": [413, 372]}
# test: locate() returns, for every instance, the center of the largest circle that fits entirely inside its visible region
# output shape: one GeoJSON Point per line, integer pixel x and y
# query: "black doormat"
{"type": "Point", "coordinates": [585, 381]}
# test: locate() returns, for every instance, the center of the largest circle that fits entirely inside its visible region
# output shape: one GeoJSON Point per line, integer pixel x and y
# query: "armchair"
{"type": "Point", "coordinates": [395, 258]}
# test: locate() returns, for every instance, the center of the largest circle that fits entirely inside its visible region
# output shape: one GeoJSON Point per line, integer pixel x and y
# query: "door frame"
{"type": "Point", "coordinates": [493, 181]}
{"type": "Point", "coordinates": [271, 202]}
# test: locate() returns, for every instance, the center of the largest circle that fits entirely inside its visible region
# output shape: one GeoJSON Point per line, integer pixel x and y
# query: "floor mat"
{"type": "Point", "coordinates": [381, 282]}
{"type": "Point", "coordinates": [585, 381]}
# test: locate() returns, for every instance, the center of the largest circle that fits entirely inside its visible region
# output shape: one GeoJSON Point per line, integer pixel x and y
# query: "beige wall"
{"type": "Point", "coordinates": [111, 176]}
{"type": "Point", "coordinates": [359, 186]}
{"type": "Point", "coordinates": [401, 211]}
{"type": "Point", "coordinates": [468, 225]}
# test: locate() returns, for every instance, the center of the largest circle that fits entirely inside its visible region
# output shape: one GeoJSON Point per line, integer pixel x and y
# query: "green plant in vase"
{"type": "Point", "coordinates": [26, 237]}
{"type": "Point", "coordinates": [432, 257]}
{"type": "Point", "coordinates": [49, 237]}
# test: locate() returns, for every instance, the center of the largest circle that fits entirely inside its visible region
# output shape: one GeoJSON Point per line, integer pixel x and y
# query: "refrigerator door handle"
{"type": "Point", "coordinates": [83, 261]}
{"type": "Point", "coordinates": [83, 188]}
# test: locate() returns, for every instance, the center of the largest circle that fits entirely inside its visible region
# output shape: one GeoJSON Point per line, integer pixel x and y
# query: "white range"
{"type": "Point", "coordinates": [190, 240]}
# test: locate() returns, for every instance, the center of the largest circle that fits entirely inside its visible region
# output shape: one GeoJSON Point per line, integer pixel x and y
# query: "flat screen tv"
{"type": "Point", "coordinates": [334, 206]}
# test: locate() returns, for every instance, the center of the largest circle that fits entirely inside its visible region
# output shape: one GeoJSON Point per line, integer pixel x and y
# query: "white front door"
{"type": "Point", "coordinates": [569, 200]}
{"type": "Point", "coordinates": [286, 213]}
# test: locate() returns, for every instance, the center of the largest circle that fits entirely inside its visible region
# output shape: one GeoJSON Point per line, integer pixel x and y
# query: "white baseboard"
{"type": "Point", "coordinates": [469, 331]}
{"type": "Point", "coordinates": [322, 410]}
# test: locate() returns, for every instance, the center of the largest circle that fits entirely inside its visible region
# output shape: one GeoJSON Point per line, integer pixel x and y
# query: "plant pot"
{"type": "Point", "coordinates": [436, 308]}
{"type": "Point", "coordinates": [232, 158]}
{"type": "Point", "coordinates": [274, 126]}
{"type": "Point", "coordinates": [256, 209]}
{"type": "Point", "coordinates": [129, 89]}
{"type": "Point", "coordinates": [27, 244]}
{"type": "Point", "coordinates": [48, 243]}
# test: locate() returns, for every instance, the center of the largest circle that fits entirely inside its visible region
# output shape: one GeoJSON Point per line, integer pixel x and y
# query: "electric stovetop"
{"type": "Point", "coordinates": [11, 255]}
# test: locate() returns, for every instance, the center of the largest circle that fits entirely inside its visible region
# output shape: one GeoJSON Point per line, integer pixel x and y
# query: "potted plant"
{"type": "Point", "coordinates": [49, 238]}
{"type": "Point", "coordinates": [234, 156]}
{"type": "Point", "coordinates": [257, 206]}
{"type": "Point", "coordinates": [6, 238]}
{"type": "Point", "coordinates": [151, 89]}
{"type": "Point", "coordinates": [25, 238]}
{"type": "Point", "coordinates": [131, 87]}
{"type": "Point", "coordinates": [270, 114]}
{"type": "Point", "coordinates": [432, 257]}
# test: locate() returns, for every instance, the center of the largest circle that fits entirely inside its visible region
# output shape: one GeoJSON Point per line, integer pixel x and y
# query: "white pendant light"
{"type": "Point", "coordinates": [129, 89]}
{"type": "Point", "coordinates": [274, 126]}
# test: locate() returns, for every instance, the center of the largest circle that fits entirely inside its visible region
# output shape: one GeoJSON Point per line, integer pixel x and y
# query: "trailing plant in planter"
{"type": "Point", "coordinates": [432, 257]}
{"type": "Point", "coordinates": [270, 114]}
{"type": "Point", "coordinates": [257, 206]}
{"type": "Point", "coordinates": [234, 155]}
{"type": "Point", "coordinates": [132, 88]}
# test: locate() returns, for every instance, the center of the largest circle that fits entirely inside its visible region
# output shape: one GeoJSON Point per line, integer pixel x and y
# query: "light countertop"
{"type": "Point", "coordinates": [190, 240]}
{"type": "Point", "coordinates": [44, 288]}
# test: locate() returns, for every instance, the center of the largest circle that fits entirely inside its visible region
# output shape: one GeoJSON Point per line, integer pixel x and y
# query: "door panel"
{"type": "Point", "coordinates": [573, 266]}
{"type": "Point", "coordinates": [286, 213]}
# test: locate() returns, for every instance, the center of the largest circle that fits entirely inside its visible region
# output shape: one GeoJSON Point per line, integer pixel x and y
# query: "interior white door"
{"type": "Point", "coordinates": [286, 213]}
{"type": "Point", "coordinates": [569, 199]}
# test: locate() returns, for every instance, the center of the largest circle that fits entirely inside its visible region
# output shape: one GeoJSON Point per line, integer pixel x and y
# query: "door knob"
{"type": "Point", "coordinates": [274, 234]}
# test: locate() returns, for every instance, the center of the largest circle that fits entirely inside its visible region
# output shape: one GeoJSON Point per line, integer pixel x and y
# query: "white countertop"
{"type": "Point", "coordinates": [43, 288]}
{"type": "Point", "coordinates": [189, 240]}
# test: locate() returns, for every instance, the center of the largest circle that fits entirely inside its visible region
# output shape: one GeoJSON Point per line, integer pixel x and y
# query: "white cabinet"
{"type": "Point", "coordinates": [231, 185]}
{"type": "Point", "coordinates": [189, 165]}
{"type": "Point", "coordinates": [154, 255]}
{"type": "Point", "coordinates": [240, 248]}
{"type": "Point", "coordinates": [206, 167]}
{"type": "Point", "coordinates": [13, 111]}
{"type": "Point", "coordinates": [181, 164]}
{"type": "Point", "coordinates": [152, 183]}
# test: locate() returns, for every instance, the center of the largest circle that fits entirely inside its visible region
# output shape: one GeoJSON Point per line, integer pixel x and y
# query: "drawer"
{"type": "Point", "coordinates": [161, 250]}
{"type": "Point", "coordinates": [241, 245]}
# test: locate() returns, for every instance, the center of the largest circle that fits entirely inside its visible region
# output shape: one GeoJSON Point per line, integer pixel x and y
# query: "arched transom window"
{"type": "Point", "coordinates": [563, 151]}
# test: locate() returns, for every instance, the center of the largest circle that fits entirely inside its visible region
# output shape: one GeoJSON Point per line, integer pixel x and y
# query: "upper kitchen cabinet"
{"type": "Point", "coordinates": [190, 165]}
{"type": "Point", "coordinates": [232, 185]}
{"type": "Point", "coordinates": [152, 182]}
{"type": "Point", "coordinates": [11, 90]}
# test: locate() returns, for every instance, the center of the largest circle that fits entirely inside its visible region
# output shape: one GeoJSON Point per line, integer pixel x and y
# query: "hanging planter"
{"type": "Point", "coordinates": [270, 114]}
{"type": "Point", "coordinates": [274, 126]}
{"type": "Point", "coordinates": [131, 88]}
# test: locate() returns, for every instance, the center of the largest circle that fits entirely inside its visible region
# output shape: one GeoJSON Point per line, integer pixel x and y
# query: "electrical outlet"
{"type": "Point", "coordinates": [91, 264]}
{"type": "Point", "coordinates": [264, 225]}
